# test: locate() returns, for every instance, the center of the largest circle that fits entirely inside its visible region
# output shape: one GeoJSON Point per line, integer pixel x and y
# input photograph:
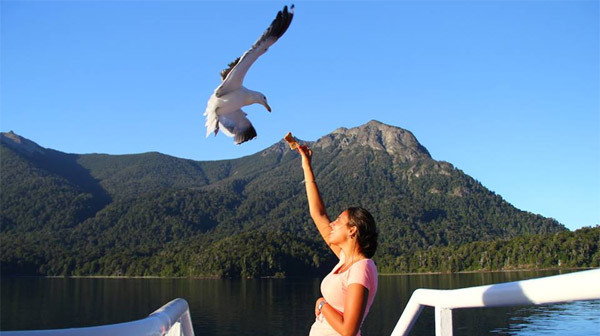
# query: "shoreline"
{"type": "Point", "coordinates": [291, 277]}
{"type": "Point", "coordinates": [495, 271]}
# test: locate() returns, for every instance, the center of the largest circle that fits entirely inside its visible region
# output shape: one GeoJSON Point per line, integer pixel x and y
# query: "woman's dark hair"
{"type": "Point", "coordinates": [366, 233]}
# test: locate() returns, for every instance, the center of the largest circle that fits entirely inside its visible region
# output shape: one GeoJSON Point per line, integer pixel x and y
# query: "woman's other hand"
{"type": "Point", "coordinates": [317, 312]}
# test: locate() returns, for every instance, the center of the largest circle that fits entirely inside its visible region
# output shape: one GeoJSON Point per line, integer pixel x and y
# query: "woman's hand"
{"type": "Point", "coordinates": [306, 154]}
{"type": "Point", "coordinates": [317, 312]}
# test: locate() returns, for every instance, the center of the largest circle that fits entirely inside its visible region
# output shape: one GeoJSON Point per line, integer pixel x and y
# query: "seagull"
{"type": "Point", "coordinates": [223, 110]}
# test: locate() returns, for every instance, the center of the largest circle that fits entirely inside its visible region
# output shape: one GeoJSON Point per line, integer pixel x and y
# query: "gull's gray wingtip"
{"type": "Point", "coordinates": [281, 23]}
{"type": "Point", "coordinates": [247, 135]}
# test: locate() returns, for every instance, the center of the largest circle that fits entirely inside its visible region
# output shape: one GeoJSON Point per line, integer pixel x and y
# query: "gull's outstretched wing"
{"type": "Point", "coordinates": [235, 124]}
{"type": "Point", "coordinates": [234, 75]}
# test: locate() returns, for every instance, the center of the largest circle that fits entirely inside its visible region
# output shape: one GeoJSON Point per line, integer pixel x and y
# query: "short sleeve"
{"type": "Point", "coordinates": [363, 273]}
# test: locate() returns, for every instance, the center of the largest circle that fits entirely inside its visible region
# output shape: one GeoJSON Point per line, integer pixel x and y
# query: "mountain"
{"type": "Point", "coordinates": [153, 214]}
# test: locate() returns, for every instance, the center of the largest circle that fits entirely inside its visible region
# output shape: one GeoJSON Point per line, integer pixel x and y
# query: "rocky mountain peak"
{"type": "Point", "coordinates": [378, 136]}
{"type": "Point", "coordinates": [19, 143]}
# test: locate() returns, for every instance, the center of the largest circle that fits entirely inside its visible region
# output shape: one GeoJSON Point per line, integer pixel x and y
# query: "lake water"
{"type": "Point", "coordinates": [274, 306]}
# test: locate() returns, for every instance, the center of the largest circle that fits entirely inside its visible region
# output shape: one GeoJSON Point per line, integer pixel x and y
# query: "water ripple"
{"type": "Point", "coordinates": [580, 318]}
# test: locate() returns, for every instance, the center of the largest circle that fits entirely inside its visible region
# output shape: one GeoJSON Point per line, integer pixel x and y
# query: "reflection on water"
{"type": "Point", "coordinates": [218, 307]}
{"type": "Point", "coordinates": [581, 318]}
{"type": "Point", "coordinates": [267, 306]}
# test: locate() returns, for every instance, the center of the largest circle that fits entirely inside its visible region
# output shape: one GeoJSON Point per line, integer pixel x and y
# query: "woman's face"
{"type": "Point", "coordinates": [339, 229]}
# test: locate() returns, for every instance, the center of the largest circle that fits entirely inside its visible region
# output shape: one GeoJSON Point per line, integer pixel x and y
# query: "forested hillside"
{"type": "Point", "coordinates": [153, 214]}
{"type": "Point", "coordinates": [565, 249]}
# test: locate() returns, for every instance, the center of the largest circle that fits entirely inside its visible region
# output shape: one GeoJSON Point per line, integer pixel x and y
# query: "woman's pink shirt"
{"type": "Point", "coordinates": [335, 286]}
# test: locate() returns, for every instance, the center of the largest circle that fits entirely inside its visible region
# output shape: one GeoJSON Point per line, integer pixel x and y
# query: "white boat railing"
{"type": "Point", "coordinates": [172, 319]}
{"type": "Point", "coordinates": [584, 285]}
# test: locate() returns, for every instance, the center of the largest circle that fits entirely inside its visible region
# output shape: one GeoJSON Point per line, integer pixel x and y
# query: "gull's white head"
{"type": "Point", "coordinates": [260, 98]}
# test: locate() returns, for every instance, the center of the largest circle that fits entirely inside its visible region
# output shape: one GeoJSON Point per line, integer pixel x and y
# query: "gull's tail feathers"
{"type": "Point", "coordinates": [212, 123]}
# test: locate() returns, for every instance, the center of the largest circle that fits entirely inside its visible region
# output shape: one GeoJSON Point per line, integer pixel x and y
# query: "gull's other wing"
{"type": "Point", "coordinates": [234, 75]}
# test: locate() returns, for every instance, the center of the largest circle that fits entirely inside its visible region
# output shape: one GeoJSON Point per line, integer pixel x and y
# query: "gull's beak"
{"type": "Point", "coordinates": [268, 107]}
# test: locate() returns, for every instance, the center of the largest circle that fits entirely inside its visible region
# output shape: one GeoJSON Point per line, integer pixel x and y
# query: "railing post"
{"type": "Point", "coordinates": [409, 316]}
{"type": "Point", "coordinates": [186, 324]}
{"type": "Point", "coordinates": [443, 321]}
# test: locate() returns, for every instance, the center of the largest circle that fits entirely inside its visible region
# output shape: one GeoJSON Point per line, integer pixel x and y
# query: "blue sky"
{"type": "Point", "coordinates": [507, 91]}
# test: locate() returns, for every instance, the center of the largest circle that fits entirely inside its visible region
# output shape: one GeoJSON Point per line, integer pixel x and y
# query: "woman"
{"type": "Point", "coordinates": [348, 291]}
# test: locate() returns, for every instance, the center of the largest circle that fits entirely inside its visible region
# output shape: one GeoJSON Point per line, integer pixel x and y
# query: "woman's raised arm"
{"type": "Point", "coordinates": [315, 203]}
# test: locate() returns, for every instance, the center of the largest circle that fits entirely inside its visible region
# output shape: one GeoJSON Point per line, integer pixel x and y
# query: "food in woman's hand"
{"type": "Point", "coordinates": [291, 141]}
